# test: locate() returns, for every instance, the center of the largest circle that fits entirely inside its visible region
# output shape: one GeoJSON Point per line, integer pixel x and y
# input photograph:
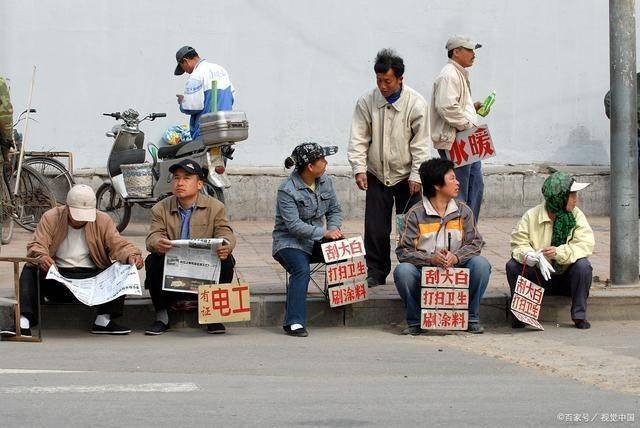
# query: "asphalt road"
{"type": "Point", "coordinates": [335, 377]}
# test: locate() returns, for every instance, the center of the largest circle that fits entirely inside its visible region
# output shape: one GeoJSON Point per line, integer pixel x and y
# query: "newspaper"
{"type": "Point", "coordinates": [115, 281]}
{"type": "Point", "coordinates": [191, 263]}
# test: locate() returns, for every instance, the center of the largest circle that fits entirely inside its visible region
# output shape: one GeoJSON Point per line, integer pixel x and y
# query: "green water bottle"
{"type": "Point", "coordinates": [486, 105]}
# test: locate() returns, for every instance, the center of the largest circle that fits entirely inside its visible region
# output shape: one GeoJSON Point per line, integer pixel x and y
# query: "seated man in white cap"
{"type": "Point", "coordinates": [555, 239]}
{"type": "Point", "coordinates": [81, 242]}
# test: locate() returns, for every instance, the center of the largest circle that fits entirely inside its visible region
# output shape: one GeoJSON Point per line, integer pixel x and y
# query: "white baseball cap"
{"type": "Point", "coordinates": [578, 186]}
{"type": "Point", "coordinates": [459, 41]}
{"type": "Point", "coordinates": [81, 201]}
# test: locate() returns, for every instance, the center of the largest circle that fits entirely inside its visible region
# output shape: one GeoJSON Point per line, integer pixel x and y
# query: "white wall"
{"type": "Point", "coordinates": [299, 67]}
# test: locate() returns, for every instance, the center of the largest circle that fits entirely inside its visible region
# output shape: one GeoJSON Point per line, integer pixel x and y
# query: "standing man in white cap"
{"type": "Point", "coordinates": [555, 239]}
{"type": "Point", "coordinates": [81, 242]}
{"type": "Point", "coordinates": [196, 99]}
{"type": "Point", "coordinates": [452, 110]}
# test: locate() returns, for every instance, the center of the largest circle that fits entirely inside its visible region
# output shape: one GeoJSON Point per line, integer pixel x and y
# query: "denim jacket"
{"type": "Point", "coordinates": [300, 213]}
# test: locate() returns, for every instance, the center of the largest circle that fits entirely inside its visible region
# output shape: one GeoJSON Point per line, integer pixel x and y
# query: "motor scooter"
{"type": "Point", "coordinates": [219, 132]}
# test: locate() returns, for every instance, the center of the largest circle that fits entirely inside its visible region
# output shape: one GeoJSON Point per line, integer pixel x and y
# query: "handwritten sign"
{"type": "Point", "coordinates": [527, 301]}
{"type": "Point", "coordinates": [344, 249]}
{"type": "Point", "coordinates": [470, 146]}
{"type": "Point", "coordinates": [346, 271]}
{"type": "Point", "coordinates": [346, 294]}
{"type": "Point", "coordinates": [223, 303]}
{"type": "Point", "coordinates": [444, 298]}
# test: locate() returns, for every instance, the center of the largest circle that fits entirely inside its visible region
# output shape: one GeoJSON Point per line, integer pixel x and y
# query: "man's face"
{"type": "Point", "coordinates": [75, 223]}
{"type": "Point", "coordinates": [185, 185]}
{"type": "Point", "coordinates": [464, 56]}
{"type": "Point", "coordinates": [188, 64]}
{"type": "Point", "coordinates": [451, 186]}
{"type": "Point", "coordinates": [388, 83]}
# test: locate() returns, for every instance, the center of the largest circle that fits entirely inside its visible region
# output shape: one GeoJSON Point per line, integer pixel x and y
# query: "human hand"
{"type": "Point", "coordinates": [414, 187]}
{"type": "Point", "coordinates": [477, 105]}
{"type": "Point", "coordinates": [332, 234]}
{"type": "Point", "coordinates": [180, 97]}
{"type": "Point", "coordinates": [439, 258]}
{"type": "Point", "coordinates": [163, 245]}
{"type": "Point", "coordinates": [450, 259]}
{"type": "Point", "coordinates": [223, 251]}
{"type": "Point", "coordinates": [361, 180]}
{"type": "Point", "coordinates": [45, 262]}
{"type": "Point", "coordinates": [549, 252]}
{"type": "Point", "coordinates": [136, 260]}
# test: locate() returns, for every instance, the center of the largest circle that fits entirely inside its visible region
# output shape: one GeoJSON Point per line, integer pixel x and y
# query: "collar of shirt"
{"type": "Point", "coordinates": [395, 96]}
{"type": "Point", "coordinates": [300, 184]}
{"type": "Point", "coordinates": [460, 68]}
{"type": "Point", "coordinates": [430, 210]}
{"type": "Point", "coordinates": [381, 101]}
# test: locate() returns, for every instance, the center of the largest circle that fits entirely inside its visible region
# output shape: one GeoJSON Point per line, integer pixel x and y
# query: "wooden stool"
{"type": "Point", "coordinates": [16, 303]}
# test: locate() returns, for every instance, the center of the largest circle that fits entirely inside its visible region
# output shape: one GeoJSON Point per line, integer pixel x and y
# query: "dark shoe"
{"type": "Point", "coordinates": [216, 328]}
{"type": "Point", "coordinates": [582, 324]}
{"type": "Point", "coordinates": [157, 328]}
{"type": "Point", "coordinates": [298, 332]}
{"type": "Point", "coordinates": [11, 332]}
{"type": "Point", "coordinates": [413, 330]}
{"type": "Point", "coordinates": [475, 328]}
{"type": "Point", "coordinates": [111, 328]}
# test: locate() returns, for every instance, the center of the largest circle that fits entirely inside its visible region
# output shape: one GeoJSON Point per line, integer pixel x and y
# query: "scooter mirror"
{"type": "Point", "coordinates": [109, 134]}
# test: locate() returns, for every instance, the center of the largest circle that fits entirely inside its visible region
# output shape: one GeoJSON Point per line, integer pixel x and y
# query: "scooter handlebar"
{"type": "Point", "coordinates": [115, 115]}
{"type": "Point", "coordinates": [154, 115]}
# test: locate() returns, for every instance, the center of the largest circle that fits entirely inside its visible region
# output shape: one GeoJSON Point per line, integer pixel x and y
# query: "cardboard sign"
{"type": "Point", "coordinates": [442, 319]}
{"type": "Point", "coordinates": [223, 303]}
{"type": "Point", "coordinates": [343, 249]}
{"type": "Point", "coordinates": [527, 301]}
{"type": "Point", "coordinates": [470, 146]}
{"type": "Point", "coordinates": [346, 294]}
{"type": "Point", "coordinates": [346, 271]}
{"type": "Point", "coordinates": [444, 298]}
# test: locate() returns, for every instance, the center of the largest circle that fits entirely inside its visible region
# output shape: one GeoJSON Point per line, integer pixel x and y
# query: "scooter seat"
{"type": "Point", "coordinates": [169, 151]}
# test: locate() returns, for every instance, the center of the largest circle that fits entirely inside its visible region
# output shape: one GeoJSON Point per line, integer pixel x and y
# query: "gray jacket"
{"type": "Point", "coordinates": [301, 213]}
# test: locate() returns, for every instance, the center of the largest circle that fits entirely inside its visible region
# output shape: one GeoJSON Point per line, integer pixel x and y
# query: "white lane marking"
{"type": "Point", "coordinates": [32, 371]}
{"type": "Point", "coordinates": [83, 389]}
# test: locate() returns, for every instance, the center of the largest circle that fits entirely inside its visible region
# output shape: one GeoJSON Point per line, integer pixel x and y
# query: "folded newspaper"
{"type": "Point", "coordinates": [115, 281]}
{"type": "Point", "coordinates": [191, 263]}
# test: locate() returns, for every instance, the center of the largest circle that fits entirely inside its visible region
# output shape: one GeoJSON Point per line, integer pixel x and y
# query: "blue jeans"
{"type": "Point", "coordinates": [296, 263]}
{"type": "Point", "coordinates": [471, 185]}
{"type": "Point", "coordinates": [407, 279]}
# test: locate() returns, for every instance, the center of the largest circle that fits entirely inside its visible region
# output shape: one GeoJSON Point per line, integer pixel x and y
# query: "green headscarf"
{"type": "Point", "coordinates": [556, 189]}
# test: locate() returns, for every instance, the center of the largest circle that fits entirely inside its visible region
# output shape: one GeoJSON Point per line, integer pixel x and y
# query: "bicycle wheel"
{"type": "Point", "coordinates": [110, 202]}
{"type": "Point", "coordinates": [59, 179]}
{"type": "Point", "coordinates": [33, 198]}
{"type": "Point", "coordinates": [6, 220]}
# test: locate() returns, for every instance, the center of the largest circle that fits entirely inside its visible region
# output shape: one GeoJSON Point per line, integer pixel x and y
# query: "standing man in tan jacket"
{"type": "Point", "coordinates": [81, 242]}
{"type": "Point", "coordinates": [452, 110]}
{"type": "Point", "coordinates": [188, 214]}
{"type": "Point", "coordinates": [389, 140]}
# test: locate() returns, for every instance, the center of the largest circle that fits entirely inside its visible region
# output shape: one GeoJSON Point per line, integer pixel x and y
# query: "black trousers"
{"type": "Point", "coordinates": [575, 281]}
{"type": "Point", "coordinates": [54, 292]}
{"type": "Point", "coordinates": [378, 215]}
{"type": "Point", "coordinates": [154, 266]}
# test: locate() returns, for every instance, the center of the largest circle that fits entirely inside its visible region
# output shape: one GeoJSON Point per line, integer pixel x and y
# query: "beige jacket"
{"type": "Point", "coordinates": [208, 220]}
{"type": "Point", "coordinates": [451, 107]}
{"type": "Point", "coordinates": [390, 140]}
{"type": "Point", "coordinates": [104, 242]}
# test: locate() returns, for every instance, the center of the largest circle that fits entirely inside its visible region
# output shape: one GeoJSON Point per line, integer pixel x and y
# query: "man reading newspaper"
{"type": "Point", "coordinates": [188, 214]}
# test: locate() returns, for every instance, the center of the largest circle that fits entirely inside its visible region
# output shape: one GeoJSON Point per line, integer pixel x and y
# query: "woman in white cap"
{"type": "Point", "coordinates": [555, 239]}
{"type": "Point", "coordinates": [307, 211]}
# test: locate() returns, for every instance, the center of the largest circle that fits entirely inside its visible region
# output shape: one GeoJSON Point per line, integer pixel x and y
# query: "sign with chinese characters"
{"type": "Point", "coordinates": [346, 294]}
{"type": "Point", "coordinates": [344, 249]}
{"type": "Point", "coordinates": [346, 271]}
{"type": "Point", "coordinates": [444, 298]}
{"type": "Point", "coordinates": [527, 301]}
{"type": "Point", "coordinates": [470, 146]}
{"type": "Point", "coordinates": [223, 303]}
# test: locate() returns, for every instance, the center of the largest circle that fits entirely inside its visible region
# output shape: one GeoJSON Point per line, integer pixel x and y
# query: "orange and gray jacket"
{"type": "Point", "coordinates": [425, 232]}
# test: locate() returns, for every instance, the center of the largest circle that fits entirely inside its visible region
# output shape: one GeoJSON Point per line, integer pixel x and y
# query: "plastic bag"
{"type": "Point", "coordinates": [177, 134]}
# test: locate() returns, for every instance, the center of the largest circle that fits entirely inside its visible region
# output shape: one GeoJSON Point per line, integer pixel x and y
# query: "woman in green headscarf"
{"type": "Point", "coordinates": [555, 239]}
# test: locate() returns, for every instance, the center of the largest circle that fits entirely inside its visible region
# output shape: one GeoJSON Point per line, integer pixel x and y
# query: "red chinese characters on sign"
{"type": "Point", "coordinates": [436, 319]}
{"type": "Point", "coordinates": [348, 293]}
{"type": "Point", "coordinates": [444, 298]}
{"type": "Point", "coordinates": [452, 277]}
{"type": "Point", "coordinates": [223, 303]}
{"type": "Point", "coordinates": [527, 301]}
{"type": "Point", "coordinates": [471, 146]}
{"type": "Point", "coordinates": [343, 249]}
{"type": "Point", "coordinates": [346, 271]}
